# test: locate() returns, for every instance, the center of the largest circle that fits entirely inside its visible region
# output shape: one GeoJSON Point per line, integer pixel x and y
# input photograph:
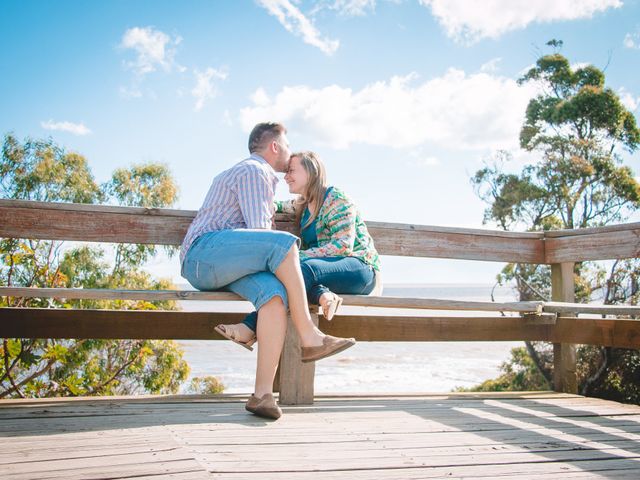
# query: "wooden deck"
{"type": "Point", "coordinates": [534, 435]}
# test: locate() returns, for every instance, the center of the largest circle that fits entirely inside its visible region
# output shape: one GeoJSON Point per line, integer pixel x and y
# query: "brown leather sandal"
{"type": "Point", "coordinates": [222, 330]}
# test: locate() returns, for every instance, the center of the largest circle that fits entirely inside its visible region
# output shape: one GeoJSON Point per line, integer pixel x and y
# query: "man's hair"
{"type": "Point", "coordinates": [264, 133]}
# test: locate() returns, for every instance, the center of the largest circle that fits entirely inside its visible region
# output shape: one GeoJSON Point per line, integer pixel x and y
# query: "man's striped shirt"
{"type": "Point", "coordinates": [240, 197]}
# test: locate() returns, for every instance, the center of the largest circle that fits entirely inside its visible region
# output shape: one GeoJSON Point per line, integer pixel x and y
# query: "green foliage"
{"type": "Point", "coordinates": [579, 128]}
{"type": "Point", "coordinates": [208, 385]}
{"type": "Point", "coordinates": [41, 170]}
{"type": "Point", "coordinates": [519, 373]}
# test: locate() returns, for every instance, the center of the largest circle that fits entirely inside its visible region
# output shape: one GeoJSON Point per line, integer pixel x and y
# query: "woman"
{"type": "Point", "coordinates": [337, 252]}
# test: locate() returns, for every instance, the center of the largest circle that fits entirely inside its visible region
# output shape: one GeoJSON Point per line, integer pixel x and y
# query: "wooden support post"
{"type": "Point", "coordinates": [564, 354]}
{"type": "Point", "coordinates": [296, 378]}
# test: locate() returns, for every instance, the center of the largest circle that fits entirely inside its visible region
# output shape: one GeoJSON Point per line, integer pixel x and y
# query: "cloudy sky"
{"type": "Point", "coordinates": [403, 99]}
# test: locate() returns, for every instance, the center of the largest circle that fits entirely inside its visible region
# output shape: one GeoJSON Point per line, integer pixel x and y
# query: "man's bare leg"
{"type": "Point", "coordinates": [272, 327]}
{"type": "Point", "coordinates": [290, 275]}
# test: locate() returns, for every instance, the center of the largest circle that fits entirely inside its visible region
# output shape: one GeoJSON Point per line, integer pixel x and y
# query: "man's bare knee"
{"type": "Point", "coordinates": [274, 304]}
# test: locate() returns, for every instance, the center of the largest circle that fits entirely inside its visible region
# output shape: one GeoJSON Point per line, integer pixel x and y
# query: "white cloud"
{"type": "Point", "coordinates": [628, 100]}
{"type": "Point", "coordinates": [154, 49]}
{"type": "Point", "coordinates": [468, 22]}
{"type": "Point", "coordinates": [294, 21]}
{"type": "Point", "coordinates": [349, 8]}
{"type": "Point", "coordinates": [632, 40]}
{"type": "Point", "coordinates": [205, 88]}
{"type": "Point", "coordinates": [491, 66]}
{"type": "Point", "coordinates": [455, 110]}
{"type": "Point", "coordinates": [74, 128]}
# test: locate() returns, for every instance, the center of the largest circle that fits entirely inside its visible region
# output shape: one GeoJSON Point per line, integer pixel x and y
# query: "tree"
{"type": "Point", "coordinates": [41, 170]}
{"type": "Point", "coordinates": [580, 130]}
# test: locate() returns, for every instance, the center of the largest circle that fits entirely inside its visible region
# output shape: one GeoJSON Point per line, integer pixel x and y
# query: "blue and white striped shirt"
{"type": "Point", "coordinates": [240, 197]}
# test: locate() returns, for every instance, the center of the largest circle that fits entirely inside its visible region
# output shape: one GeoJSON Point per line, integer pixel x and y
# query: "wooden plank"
{"type": "Point", "coordinates": [352, 300]}
{"type": "Point", "coordinates": [622, 242]}
{"type": "Point", "coordinates": [100, 223]}
{"type": "Point", "coordinates": [105, 294]}
{"type": "Point", "coordinates": [437, 242]}
{"type": "Point", "coordinates": [112, 324]}
{"type": "Point", "coordinates": [433, 328]}
{"type": "Point", "coordinates": [564, 354]}
{"type": "Point", "coordinates": [296, 378]}
{"type": "Point", "coordinates": [118, 324]}
{"type": "Point", "coordinates": [97, 223]}
{"type": "Point", "coordinates": [583, 308]}
{"type": "Point", "coordinates": [606, 332]}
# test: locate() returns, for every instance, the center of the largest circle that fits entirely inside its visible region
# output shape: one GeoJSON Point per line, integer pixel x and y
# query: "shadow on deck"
{"type": "Point", "coordinates": [526, 435]}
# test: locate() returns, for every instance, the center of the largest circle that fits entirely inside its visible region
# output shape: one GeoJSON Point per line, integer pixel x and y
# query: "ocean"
{"type": "Point", "coordinates": [369, 367]}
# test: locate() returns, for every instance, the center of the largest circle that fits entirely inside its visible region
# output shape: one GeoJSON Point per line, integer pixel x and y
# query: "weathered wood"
{"type": "Point", "coordinates": [605, 332]}
{"type": "Point", "coordinates": [564, 354]}
{"type": "Point", "coordinates": [105, 294]}
{"type": "Point", "coordinates": [134, 324]}
{"type": "Point", "coordinates": [524, 435]}
{"type": "Point", "coordinates": [465, 244]}
{"type": "Point", "coordinates": [588, 308]}
{"type": "Point", "coordinates": [98, 223]}
{"type": "Point", "coordinates": [353, 300]}
{"type": "Point", "coordinates": [296, 378]}
{"type": "Point", "coordinates": [617, 241]}
{"type": "Point", "coordinates": [112, 324]}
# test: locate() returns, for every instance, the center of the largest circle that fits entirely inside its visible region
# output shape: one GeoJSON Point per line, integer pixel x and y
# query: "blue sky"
{"type": "Point", "coordinates": [402, 99]}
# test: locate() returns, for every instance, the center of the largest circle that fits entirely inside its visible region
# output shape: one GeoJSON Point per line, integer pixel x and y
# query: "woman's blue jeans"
{"type": "Point", "coordinates": [348, 275]}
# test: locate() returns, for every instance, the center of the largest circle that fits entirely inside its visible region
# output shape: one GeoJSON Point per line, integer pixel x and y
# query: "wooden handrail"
{"type": "Point", "coordinates": [102, 223]}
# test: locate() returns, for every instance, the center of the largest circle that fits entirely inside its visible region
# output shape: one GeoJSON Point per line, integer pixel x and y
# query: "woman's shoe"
{"type": "Point", "coordinates": [264, 406]}
{"type": "Point", "coordinates": [330, 307]}
{"type": "Point", "coordinates": [231, 335]}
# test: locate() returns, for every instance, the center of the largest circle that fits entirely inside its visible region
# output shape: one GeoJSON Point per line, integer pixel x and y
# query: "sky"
{"type": "Point", "coordinates": [403, 99]}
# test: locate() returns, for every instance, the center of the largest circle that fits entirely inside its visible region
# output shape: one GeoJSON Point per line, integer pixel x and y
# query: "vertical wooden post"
{"type": "Point", "coordinates": [564, 354]}
{"type": "Point", "coordinates": [296, 378]}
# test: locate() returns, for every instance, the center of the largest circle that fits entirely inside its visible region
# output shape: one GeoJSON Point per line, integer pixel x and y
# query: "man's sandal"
{"type": "Point", "coordinates": [231, 335]}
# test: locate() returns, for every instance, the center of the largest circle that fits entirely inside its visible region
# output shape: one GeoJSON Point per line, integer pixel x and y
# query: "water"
{"type": "Point", "coordinates": [369, 367]}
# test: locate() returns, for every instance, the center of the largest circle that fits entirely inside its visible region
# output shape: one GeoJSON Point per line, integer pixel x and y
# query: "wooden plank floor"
{"type": "Point", "coordinates": [536, 435]}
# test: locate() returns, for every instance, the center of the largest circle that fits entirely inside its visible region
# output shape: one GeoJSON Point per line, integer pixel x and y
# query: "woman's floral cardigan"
{"type": "Point", "coordinates": [340, 230]}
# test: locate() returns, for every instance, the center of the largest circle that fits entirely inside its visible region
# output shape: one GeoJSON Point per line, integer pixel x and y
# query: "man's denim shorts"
{"type": "Point", "coordinates": [241, 261]}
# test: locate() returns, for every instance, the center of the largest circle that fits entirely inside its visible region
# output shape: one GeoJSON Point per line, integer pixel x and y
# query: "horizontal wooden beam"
{"type": "Point", "coordinates": [577, 246]}
{"type": "Point", "coordinates": [99, 223]}
{"type": "Point", "coordinates": [620, 333]}
{"type": "Point", "coordinates": [588, 308]}
{"type": "Point", "coordinates": [455, 243]}
{"type": "Point", "coordinates": [376, 328]}
{"type": "Point", "coordinates": [103, 223]}
{"type": "Point", "coordinates": [352, 300]}
{"type": "Point", "coordinates": [136, 324]}
{"type": "Point", "coordinates": [112, 324]}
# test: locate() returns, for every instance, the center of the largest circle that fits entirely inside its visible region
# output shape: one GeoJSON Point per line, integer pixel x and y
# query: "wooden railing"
{"type": "Point", "coordinates": [558, 322]}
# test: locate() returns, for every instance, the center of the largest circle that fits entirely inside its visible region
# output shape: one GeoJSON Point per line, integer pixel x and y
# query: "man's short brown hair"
{"type": "Point", "coordinates": [264, 133]}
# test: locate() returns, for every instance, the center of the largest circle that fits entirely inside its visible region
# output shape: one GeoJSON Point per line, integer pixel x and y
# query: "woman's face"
{"type": "Point", "coordinates": [296, 177]}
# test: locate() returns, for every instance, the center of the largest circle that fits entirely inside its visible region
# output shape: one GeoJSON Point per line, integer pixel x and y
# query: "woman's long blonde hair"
{"type": "Point", "coordinates": [315, 188]}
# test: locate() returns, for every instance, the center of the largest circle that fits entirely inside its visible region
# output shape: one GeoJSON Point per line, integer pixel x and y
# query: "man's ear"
{"type": "Point", "coordinates": [274, 146]}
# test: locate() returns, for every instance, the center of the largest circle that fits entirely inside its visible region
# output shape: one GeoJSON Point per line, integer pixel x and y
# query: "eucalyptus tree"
{"type": "Point", "coordinates": [579, 133]}
{"type": "Point", "coordinates": [43, 171]}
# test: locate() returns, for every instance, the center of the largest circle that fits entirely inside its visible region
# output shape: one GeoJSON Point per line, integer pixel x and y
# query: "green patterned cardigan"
{"type": "Point", "coordinates": [340, 230]}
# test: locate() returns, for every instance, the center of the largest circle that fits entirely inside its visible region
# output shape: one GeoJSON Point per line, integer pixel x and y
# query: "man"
{"type": "Point", "coordinates": [230, 244]}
